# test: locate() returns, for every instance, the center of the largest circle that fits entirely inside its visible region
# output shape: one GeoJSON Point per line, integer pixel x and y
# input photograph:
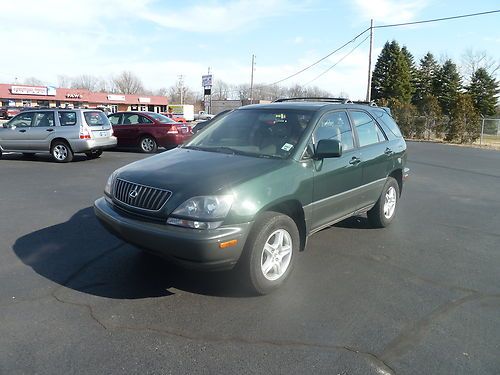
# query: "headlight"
{"type": "Point", "coordinates": [109, 184]}
{"type": "Point", "coordinates": [205, 212]}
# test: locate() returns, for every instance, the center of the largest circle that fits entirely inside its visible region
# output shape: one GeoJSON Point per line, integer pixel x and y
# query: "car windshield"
{"type": "Point", "coordinates": [96, 118]}
{"type": "Point", "coordinates": [161, 118]}
{"type": "Point", "coordinates": [254, 132]}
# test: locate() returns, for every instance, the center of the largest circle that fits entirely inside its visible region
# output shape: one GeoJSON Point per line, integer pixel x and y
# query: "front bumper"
{"type": "Point", "coordinates": [191, 248]}
{"type": "Point", "coordinates": [84, 145]}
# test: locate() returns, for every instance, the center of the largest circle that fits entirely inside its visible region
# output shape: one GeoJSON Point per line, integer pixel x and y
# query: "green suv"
{"type": "Point", "coordinates": [248, 190]}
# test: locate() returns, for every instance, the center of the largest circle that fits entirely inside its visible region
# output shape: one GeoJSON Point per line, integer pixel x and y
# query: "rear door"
{"type": "Point", "coordinates": [336, 180]}
{"type": "Point", "coordinates": [15, 136]}
{"type": "Point", "coordinates": [375, 154]}
{"type": "Point", "coordinates": [42, 131]}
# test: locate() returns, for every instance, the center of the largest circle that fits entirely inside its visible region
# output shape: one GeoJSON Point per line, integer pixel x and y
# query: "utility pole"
{"type": "Point", "coordinates": [369, 88]}
{"type": "Point", "coordinates": [210, 96]}
{"type": "Point", "coordinates": [251, 80]}
{"type": "Point", "coordinates": [181, 87]}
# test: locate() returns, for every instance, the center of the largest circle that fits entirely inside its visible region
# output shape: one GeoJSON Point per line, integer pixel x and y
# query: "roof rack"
{"type": "Point", "coordinates": [371, 103]}
{"type": "Point", "coordinates": [314, 99]}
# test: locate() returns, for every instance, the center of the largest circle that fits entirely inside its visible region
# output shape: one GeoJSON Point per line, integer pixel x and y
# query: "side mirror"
{"type": "Point", "coordinates": [328, 148]}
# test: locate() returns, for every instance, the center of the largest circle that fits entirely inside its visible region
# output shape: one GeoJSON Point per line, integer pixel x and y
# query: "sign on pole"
{"type": "Point", "coordinates": [206, 80]}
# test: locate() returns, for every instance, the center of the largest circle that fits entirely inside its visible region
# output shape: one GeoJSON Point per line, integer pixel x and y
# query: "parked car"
{"type": "Point", "coordinates": [202, 115]}
{"type": "Point", "coordinates": [62, 133]}
{"type": "Point", "coordinates": [250, 189]}
{"type": "Point", "coordinates": [148, 130]}
{"type": "Point", "coordinates": [174, 117]}
{"type": "Point", "coordinates": [9, 112]}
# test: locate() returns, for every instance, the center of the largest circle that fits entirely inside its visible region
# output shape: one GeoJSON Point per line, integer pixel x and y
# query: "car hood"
{"type": "Point", "coordinates": [189, 173]}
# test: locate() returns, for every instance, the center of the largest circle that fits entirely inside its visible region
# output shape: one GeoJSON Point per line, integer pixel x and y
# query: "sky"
{"type": "Point", "coordinates": [159, 40]}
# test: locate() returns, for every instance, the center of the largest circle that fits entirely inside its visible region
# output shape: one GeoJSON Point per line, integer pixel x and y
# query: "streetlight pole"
{"type": "Point", "coordinates": [369, 86]}
{"type": "Point", "coordinates": [251, 80]}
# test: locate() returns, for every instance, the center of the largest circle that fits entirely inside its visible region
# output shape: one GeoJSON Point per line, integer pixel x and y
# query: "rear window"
{"type": "Point", "coordinates": [95, 118]}
{"type": "Point", "coordinates": [388, 124]}
{"type": "Point", "coordinates": [67, 118]}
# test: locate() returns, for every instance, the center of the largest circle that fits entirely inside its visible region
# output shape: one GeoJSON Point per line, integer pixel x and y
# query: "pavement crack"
{"type": "Point", "coordinates": [87, 306]}
{"type": "Point", "coordinates": [415, 332]}
{"type": "Point", "coordinates": [373, 360]}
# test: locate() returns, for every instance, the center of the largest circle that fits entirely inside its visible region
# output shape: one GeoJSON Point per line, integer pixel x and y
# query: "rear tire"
{"type": "Point", "coordinates": [148, 144]}
{"type": "Point", "coordinates": [61, 152]}
{"type": "Point", "coordinates": [269, 253]}
{"type": "Point", "coordinates": [384, 211]}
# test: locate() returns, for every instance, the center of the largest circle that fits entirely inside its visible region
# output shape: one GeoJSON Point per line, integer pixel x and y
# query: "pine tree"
{"type": "Point", "coordinates": [412, 69]}
{"type": "Point", "coordinates": [484, 90]}
{"type": "Point", "coordinates": [447, 86]}
{"type": "Point", "coordinates": [391, 77]}
{"type": "Point", "coordinates": [464, 124]}
{"type": "Point", "coordinates": [425, 77]}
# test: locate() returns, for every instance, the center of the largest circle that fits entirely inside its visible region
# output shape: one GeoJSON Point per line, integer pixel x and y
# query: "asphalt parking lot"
{"type": "Point", "coordinates": [420, 297]}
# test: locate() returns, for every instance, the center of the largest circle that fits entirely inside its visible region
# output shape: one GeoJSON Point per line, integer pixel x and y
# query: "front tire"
{"type": "Point", "coordinates": [61, 152]}
{"type": "Point", "coordinates": [269, 253]}
{"type": "Point", "coordinates": [148, 144]}
{"type": "Point", "coordinates": [384, 211]}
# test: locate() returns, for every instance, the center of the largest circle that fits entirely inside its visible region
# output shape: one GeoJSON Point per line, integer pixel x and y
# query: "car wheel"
{"type": "Point", "coordinates": [148, 144]}
{"type": "Point", "coordinates": [93, 154]}
{"type": "Point", "coordinates": [61, 152]}
{"type": "Point", "coordinates": [269, 252]}
{"type": "Point", "coordinates": [384, 211]}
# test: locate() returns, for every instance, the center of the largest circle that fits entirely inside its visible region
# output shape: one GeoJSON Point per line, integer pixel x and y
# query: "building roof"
{"type": "Point", "coordinates": [19, 92]}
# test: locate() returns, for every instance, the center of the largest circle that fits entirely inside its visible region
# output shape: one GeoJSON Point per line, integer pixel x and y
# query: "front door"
{"type": "Point", "coordinates": [336, 180]}
{"type": "Point", "coordinates": [42, 131]}
{"type": "Point", "coordinates": [15, 135]}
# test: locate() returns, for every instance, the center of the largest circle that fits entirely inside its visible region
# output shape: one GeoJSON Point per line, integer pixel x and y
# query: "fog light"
{"type": "Point", "coordinates": [226, 244]}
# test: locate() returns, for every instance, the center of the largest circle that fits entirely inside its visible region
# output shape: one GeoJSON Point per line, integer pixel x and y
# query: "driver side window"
{"type": "Point", "coordinates": [22, 120]}
{"type": "Point", "coordinates": [335, 125]}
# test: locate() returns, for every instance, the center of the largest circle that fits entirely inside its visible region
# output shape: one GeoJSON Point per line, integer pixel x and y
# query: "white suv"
{"type": "Point", "coordinates": [60, 132]}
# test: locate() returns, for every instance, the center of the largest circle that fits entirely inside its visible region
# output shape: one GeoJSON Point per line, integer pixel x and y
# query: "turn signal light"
{"type": "Point", "coordinates": [226, 244]}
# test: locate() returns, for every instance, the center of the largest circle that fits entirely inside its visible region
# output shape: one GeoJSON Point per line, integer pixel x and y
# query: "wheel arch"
{"type": "Point", "coordinates": [62, 140]}
{"type": "Point", "coordinates": [293, 209]}
{"type": "Point", "coordinates": [397, 174]}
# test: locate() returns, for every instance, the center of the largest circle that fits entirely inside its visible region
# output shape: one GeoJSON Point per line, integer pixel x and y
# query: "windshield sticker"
{"type": "Point", "coordinates": [287, 147]}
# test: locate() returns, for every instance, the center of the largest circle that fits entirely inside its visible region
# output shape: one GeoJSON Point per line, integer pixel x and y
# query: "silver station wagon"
{"type": "Point", "coordinates": [60, 132]}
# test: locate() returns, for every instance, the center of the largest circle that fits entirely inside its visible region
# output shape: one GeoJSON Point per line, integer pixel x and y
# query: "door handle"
{"type": "Point", "coordinates": [49, 130]}
{"type": "Point", "coordinates": [355, 160]}
{"type": "Point", "coordinates": [388, 151]}
{"type": "Point", "coordinates": [22, 131]}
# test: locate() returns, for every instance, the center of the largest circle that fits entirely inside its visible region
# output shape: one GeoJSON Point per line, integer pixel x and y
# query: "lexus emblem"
{"type": "Point", "coordinates": [133, 194]}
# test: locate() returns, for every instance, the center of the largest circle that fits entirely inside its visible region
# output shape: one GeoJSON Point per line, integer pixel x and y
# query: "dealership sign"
{"type": "Point", "coordinates": [206, 80]}
{"type": "Point", "coordinates": [116, 97]}
{"type": "Point", "coordinates": [32, 90]}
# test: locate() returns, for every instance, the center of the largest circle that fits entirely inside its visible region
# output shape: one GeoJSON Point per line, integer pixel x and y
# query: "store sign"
{"type": "Point", "coordinates": [26, 90]}
{"type": "Point", "coordinates": [74, 96]}
{"type": "Point", "coordinates": [144, 100]}
{"type": "Point", "coordinates": [51, 91]}
{"type": "Point", "coordinates": [116, 97]}
{"type": "Point", "coordinates": [206, 80]}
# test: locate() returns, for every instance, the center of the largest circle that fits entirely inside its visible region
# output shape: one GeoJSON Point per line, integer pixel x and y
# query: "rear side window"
{"type": "Point", "coordinates": [67, 118]}
{"type": "Point", "coordinates": [144, 120]}
{"type": "Point", "coordinates": [43, 119]}
{"type": "Point", "coordinates": [95, 118]}
{"type": "Point", "coordinates": [389, 125]}
{"type": "Point", "coordinates": [367, 129]}
{"type": "Point", "coordinates": [130, 118]}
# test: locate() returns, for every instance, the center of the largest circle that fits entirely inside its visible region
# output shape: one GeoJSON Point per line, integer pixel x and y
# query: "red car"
{"type": "Point", "coordinates": [174, 117]}
{"type": "Point", "coordinates": [148, 130]}
{"type": "Point", "coordinates": [9, 112]}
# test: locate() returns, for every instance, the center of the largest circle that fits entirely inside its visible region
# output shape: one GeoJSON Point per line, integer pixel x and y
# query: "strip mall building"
{"type": "Point", "coordinates": [49, 96]}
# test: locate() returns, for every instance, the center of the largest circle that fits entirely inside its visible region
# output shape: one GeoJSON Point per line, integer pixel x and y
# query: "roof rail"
{"type": "Point", "coordinates": [314, 99]}
{"type": "Point", "coordinates": [371, 103]}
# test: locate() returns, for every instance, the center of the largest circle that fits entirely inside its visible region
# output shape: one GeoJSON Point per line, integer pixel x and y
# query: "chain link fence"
{"type": "Point", "coordinates": [490, 132]}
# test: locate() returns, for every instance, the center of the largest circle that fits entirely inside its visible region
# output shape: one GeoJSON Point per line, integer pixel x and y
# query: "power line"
{"type": "Point", "coordinates": [337, 62]}
{"type": "Point", "coordinates": [437, 19]}
{"type": "Point", "coordinates": [323, 58]}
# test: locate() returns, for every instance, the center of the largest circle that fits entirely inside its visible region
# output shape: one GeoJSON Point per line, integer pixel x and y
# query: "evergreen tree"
{"type": "Point", "coordinates": [447, 86]}
{"type": "Point", "coordinates": [464, 125]}
{"type": "Point", "coordinates": [412, 69]}
{"type": "Point", "coordinates": [425, 77]}
{"type": "Point", "coordinates": [391, 78]}
{"type": "Point", "coordinates": [484, 90]}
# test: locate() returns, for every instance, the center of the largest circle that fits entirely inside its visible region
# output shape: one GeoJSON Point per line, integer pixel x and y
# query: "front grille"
{"type": "Point", "coordinates": [140, 196]}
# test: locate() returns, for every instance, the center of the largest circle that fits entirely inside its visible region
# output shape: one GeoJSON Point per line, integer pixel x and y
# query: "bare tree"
{"type": "Point", "coordinates": [473, 60]}
{"type": "Point", "coordinates": [85, 81]}
{"type": "Point", "coordinates": [63, 80]}
{"type": "Point", "coordinates": [179, 93]}
{"type": "Point", "coordinates": [128, 83]}
{"type": "Point", "coordinates": [33, 81]}
{"type": "Point", "coordinates": [220, 90]}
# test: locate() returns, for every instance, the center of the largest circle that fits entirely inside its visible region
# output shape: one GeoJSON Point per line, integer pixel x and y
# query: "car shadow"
{"type": "Point", "coordinates": [80, 254]}
{"type": "Point", "coordinates": [45, 158]}
{"type": "Point", "coordinates": [355, 222]}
